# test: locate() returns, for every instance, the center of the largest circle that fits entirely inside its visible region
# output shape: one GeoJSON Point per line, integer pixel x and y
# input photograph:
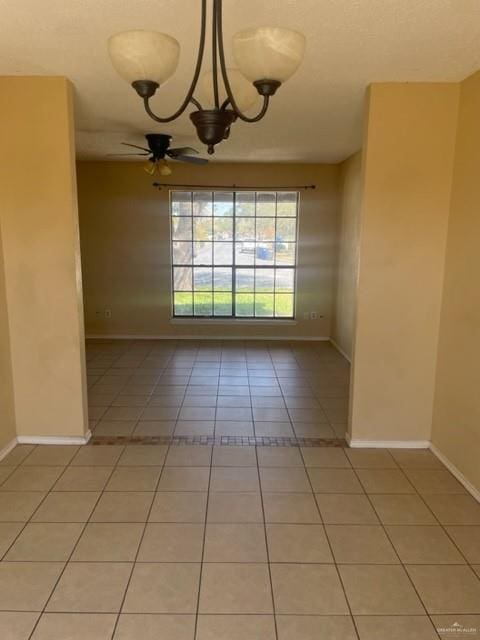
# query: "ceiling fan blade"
{"type": "Point", "coordinates": [191, 159]}
{"type": "Point", "coordinates": [181, 151]}
{"type": "Point", "coordinates": [135, 146]}
{"type": "Point", "coordinates": [128, 154]}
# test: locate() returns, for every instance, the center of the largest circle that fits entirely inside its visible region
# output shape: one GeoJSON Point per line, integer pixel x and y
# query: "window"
{"type": "Point", "coordinates": [234, 253]}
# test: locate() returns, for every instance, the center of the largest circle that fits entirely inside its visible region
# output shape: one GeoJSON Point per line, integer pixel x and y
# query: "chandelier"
{"type": "Point", "coordinates": [265, 57]}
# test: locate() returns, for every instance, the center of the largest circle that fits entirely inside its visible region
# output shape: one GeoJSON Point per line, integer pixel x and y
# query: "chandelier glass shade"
{"type": "Point", "coordinates": [266, 57]}
{"type": "Point", "coordinates": [245, 93]}
{"type": "Point", "coordinates": [268, 52]}
{"type": "Point", "coordinates": [138, 55]}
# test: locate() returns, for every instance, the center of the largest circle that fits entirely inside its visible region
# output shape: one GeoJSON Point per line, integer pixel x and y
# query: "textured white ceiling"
{"type": "Point", "coordinates": [315, 117]}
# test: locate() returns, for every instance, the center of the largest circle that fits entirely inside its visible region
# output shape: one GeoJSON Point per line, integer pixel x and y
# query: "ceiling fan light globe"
{"type": "Point", "coordinates": [243, 90]}
{"type": "Point", "coordinates": [144, 55]}
{"type": "Point", "coordinates": [164, 169]}
{"type": "Point", "coordinates": [149, 167]}
{"type": "Point", "coordinates": [268, 53]}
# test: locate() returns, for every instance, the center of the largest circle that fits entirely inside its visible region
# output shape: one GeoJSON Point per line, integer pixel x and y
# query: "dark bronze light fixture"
{"type": "Point", "coordinates": [266, 57]}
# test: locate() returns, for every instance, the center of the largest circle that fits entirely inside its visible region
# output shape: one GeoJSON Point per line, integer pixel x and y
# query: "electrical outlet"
{"type": "Point", "coordinates": [306, 315]}
{"type": "Point", "coordinates": [107, 313]}
{"type": "Point", "coordinates": [313, 315]}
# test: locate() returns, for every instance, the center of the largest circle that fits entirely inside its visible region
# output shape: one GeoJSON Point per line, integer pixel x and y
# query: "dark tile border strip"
{"type": "Point", "coordinates": [240, 441]}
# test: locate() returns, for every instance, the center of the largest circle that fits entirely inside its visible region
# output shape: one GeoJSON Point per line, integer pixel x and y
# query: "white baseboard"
{"type": "Point", "coordinates": [65, 440]}
{"type": "Point", "coordinates": [340, 350]}
{"type": "Point", "coordinates": [456, 472]}
{"type": "Point", "coordinates": [243, 322]}
{"type": "Point", "coordinates": [356, 443]}
{"type": "Point", "coordinates": [7, 448]}
{"type": "Point", "coordinates": [207, 337]}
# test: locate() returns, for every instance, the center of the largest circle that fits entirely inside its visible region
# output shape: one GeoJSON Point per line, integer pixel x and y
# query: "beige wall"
{"type": "Point", "coordinates": [39, 221]}
{"type": "Point", "coordinates": [408, 162]}
{"type": "Point", "coordinates": [351, 188]}
{"type": "Point", "coordinates": [125, 238]}
{"type": "Point", "coordinates": [7, 403]}
{"type": "Point", "coordinates": [456, 417]}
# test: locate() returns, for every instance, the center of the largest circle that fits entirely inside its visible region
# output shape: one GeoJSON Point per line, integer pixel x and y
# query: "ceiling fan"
{"type": "Point", "coordinates": [158, 149]}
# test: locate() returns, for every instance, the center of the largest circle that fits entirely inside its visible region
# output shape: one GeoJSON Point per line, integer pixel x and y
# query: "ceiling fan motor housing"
{"type": "Point", "coordinates": [158, 144]}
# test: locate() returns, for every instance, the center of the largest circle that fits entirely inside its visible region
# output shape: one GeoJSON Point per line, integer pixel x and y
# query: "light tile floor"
{"type": "Point", "coordinates": [181, 541]}
{"type": "Point", "coordinates": [188, 389]}
{"type": "Point", "coordinates": [222, 542]}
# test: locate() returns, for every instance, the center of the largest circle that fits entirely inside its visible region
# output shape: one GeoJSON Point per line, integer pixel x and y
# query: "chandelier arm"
{"type": "Point", "coordinates": [223, 66]}
{"type": "Point", "coordinates": [216, 96]}
{"type": "Point", "coordinates": [196, 103]}
{"type": "Point", "coordinates": [196, 75]}
{"type": "Point", "coordinates": [259, 116]}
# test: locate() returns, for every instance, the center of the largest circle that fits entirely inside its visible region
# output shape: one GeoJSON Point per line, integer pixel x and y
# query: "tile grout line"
{"type": "Point", "coordinates": [444, 527]}
{"type": "Point", "coordinates": [152, 392]}
{"type": "Point", "coordinates": [66, 563]}
{"type": "Point", "coordinates": [27, 522]}
{"type": "Point", "coordinates": [159, 373]}
{"type": "Point", "coordinates": [357, 633]}
{"type": "Point", "coordinates": [390, 541]}
{"type": "Point", "coordinates": [141, 537]}
{"type": "Point", "coordinates": [439, 524]}
{"type": "Point", "coordinates": [197, 612]}
{"type": "Point", "coordinates": [272, 594]}
{"type": "Point", "coordinates": [118, 394]}
{"type": "Point", "coordinates": [134, 562]}
{"type": "Point", "coordinates": [47, 493]}
{"type": "Point", "coordinates": [174, 432]}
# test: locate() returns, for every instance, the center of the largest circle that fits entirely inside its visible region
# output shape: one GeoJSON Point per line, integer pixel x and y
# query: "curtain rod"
{"type": "Point", "coordinates": [160, 185]}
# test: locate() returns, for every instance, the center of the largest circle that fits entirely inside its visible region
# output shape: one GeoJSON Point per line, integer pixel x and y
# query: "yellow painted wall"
{"type": "Point", "coordinates": [456, 417]}
{"type": "Point", "coordinates": [351, 189]}
{"type": "Point", "coordinates": [7, 403]}
{"type": "Point", "coordinates": [39, 220]}
{"type": "Point", "coordinates": [125, 239]}
{"type": "Point", "coordinates": [408, 163]}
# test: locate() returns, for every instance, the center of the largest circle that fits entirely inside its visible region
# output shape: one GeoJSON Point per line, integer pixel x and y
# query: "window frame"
{"type": "Point", "coordinates": [233, 266]}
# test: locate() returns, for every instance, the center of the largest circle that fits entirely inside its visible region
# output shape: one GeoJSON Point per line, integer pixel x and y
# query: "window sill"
{"type": "Point", "coordinates": [230, 321]}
